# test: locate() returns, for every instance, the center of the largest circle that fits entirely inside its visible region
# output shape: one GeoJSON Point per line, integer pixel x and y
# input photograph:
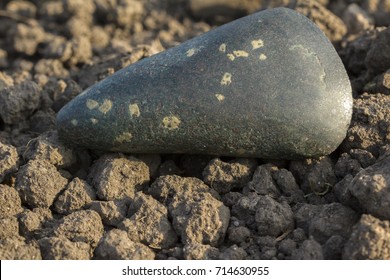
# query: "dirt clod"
{"type": "Point", "coordinates": [371, 189]}
{"type": "Point", "coordinates": [357, 19]}
{"type": "Point", "coordinates": [196, 251]}
{"type": "Point", "coordinates": [9, 227]}
{"type": "Point", "coordinates": [10, 203]}
{"type": "Point", "coordinates": [81, 226]}
{"type": "Point", "coordinates": [116, 177]}
{"type": "Point", "coordinates": [38, 183]}
{"type": "Point", "coordinates": [368, 130]}
{"type": "Point", "coordinates": [369, 240]}
{"type": "Point", "coordinates": [238, 234]}
{"type": "Point", "coordinates": [332, 219]}
{"type": "Point", "coordinates": [111, 212]}
{"type": "Point", "coordinates": [333, 247]}
{"type": "Point", "coordinates": [227, 176]}
{"type": "Point", "coordinates": [273, 218]}
{"type": "Point", "coordinates": [16, 248]}
{"type": "Point", "coordinates": [76, 195]}
{"type": "Point", "coordinates": [233, 253]}
{"type": "Point", "coordinates": [48, 147]}
{"type": "Point", "coordinates": [35, 223]}
{"type": "Point", "coordinates": [116, 245]}
{"type": "Point", "coordinates": [17, 103]}
{"type": "Point", "coordinates": [25, 38]}
{"type": "Point", "coordinates": [309, 250]}
{"type": "Point", "coordinates": [9, 160]}
{"type": "Point", "coordinates": [287, 247]}
{"type": "Point", "coordinates": [148, 223]}
{"type": "Point", "coordinates": [61, 248]}
{"type": "Point", "coordinates": [263, 183]}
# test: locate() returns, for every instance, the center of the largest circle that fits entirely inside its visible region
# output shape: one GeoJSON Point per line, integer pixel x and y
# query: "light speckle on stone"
{"type": "Point", "coordinates": [106, 106]}
{"type": "Point", "coordinates": [83, 93]}
{"type": "Point", "coordinates": [299, 47]}
{"type": "Point", "coordinates": [74, 122]}
{"type": "Point", "coordinates": [310, 54]}
{"type": "Point", "coordinates": [231, 56]}
{"type": "Point", "coordinates": [190, 52]}
{"type": "Point", "coordinates": [94, 121]}
{"type": "Point", "coordinates": [134, 110]}
{"type": "Point", "coordinates": [262, 57]}
{"type": "Point", "coordinates": [92, 104]}
{"type": "Point", "coordinates": [222, 47]}
{"type": "Point", "coordinates": [240, 53]}
{"type": "Point", "coordinates": [256, 44]}
{"type": "Point", "coordinates": [220, 97]}
{"type": "Point", "coordinates": [124, 137]}
{"type": "Point", "coordinates": [226, 79]}
{"type": "Point", "coordinates": [171, 122]}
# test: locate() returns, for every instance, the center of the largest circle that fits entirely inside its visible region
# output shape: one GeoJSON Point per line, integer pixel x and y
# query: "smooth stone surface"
{"type": "Point", "coordinates": [269, 85]}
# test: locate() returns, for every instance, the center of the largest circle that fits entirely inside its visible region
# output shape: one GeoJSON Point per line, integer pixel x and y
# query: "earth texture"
{"type": "Point", "coordinates": [61, 202]}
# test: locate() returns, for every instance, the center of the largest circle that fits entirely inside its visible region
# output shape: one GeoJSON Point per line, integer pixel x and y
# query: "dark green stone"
{"type": "Point", "coordinates": [269, 85]}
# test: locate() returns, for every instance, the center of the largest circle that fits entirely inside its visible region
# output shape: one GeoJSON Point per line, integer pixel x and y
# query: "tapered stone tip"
{"type": "Point", "coordinates": [269, 85]}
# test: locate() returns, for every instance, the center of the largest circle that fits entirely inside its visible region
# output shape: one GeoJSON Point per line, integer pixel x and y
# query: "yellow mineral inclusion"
{"type": "Point", "coordinates": [190, 52]}
{"type": "Point", "coordinates": [240, 53]}
{"type": "Point", "coordinates": [222, 47]}
{"type": "Point", "coordinates": [231, 56]}
{"type": "Point", "coordinates": [220, 97]}
{"type": "Point", "coordinates": [171, 122]}
{"type": "Point", "coordinates": [257, 44]}
{"type": "Point", "coordinates": [134, 110]}
{"type": "Point", "coordinates": [92, 104]}
{"type": "Point", "coordinates": [106, 106]}
{"type": "Point", "coordinates": [124, 137]}
{"type": "Point", "coordinates": [74, 122]}
{"type": "Point", "coordinates": [226, 79]}
{"type": "Point", "coordinates": [262, 57]}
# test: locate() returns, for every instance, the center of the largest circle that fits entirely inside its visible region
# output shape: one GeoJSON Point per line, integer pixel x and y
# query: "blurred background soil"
{"type": "Point", "coordinates": [58, 202]}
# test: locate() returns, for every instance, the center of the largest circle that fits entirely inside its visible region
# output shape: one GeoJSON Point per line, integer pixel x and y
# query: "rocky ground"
{"type": "Point", "coordinates": [58, 202]}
